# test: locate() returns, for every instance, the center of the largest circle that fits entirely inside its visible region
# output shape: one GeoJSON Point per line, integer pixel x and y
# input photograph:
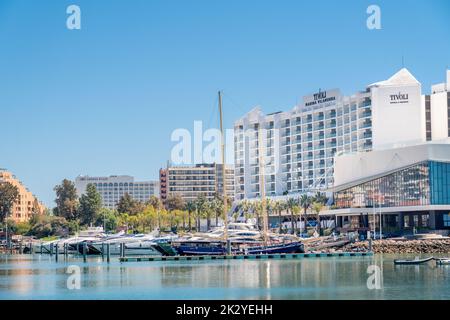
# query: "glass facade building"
{"type": "Point", "coordinates": [426, 183]}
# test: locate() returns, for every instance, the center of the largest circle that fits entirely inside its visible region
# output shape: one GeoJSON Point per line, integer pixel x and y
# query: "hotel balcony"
{"type": "Point", "coordinates": [365, 114]}
{"type": "Point", "coordinates": [366, 124]}
{"type": "Point", "coordinates": [320, 127]}
{"type": "Point", "coordinates": [366, 103]}
{"type": "Point", "coordinates": [320, 117]}
{"type": "Point", "coordinates": [307, 119]}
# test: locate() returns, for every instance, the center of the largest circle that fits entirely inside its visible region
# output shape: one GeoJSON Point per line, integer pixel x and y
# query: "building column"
{"type": "Point", "coordinates": [432, 220]}
{"type": "Point", "coordinates": [400, 221]}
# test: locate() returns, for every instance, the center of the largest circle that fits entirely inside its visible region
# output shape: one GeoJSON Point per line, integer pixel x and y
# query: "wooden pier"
{"type": "Point", "coordinates": [246, 257]}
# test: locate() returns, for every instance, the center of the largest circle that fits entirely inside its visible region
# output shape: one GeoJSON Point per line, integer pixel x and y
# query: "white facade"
{"type": "Point", "coordinates": [113, 188]}
{"type": "Point", "coordinates": [352, 168]}
{"type": "Point", "coordinates": [191, 182]}
{"type": "Point", "coordinates": [440, 110]}
{"type": "Point", "coordinates": [398, 113]}
{"type": "Point", "coordinates": [300, 145]}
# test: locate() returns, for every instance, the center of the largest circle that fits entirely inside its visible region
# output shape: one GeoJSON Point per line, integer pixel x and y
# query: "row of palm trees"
{"type": "Point", "coordinates": [294, 206]}
{"type": "Point", "coordinates": [203, 208]}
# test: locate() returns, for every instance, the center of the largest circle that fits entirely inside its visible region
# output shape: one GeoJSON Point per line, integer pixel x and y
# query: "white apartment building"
{"type": "Point", "coordinates": [190, 182]}
{"type": "Point", "coordinates": [299, 145]}
{"type": "Point", "coordinates": [113, 188]}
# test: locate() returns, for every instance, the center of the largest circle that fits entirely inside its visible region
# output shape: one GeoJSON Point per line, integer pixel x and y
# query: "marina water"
{"type": "Point", "coordinates": [40, 277]}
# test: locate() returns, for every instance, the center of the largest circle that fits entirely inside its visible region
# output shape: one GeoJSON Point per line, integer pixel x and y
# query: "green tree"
{"type": "Point", "coordinates": [305, 203]}
{"type": "Point", "coordinates": [90, 205]}
{"type": "Point", "coordinates": [319, 201]}
{"type": "Point", "coordinates": [175, 202]}
{"type": "Point", "coordinates": [128, 205]}
{"type": "Point", "coordinates": [200, 206]}
{"type": "Point", "coordinates": [190, 207]}
{"type": "Point", "coordinates": [45, 226]}
{"type": "Point", "coordinates": [279, 207]}
{"type": "Point", "coordinates": [23, 228]}
{"type": "Point", "coordinates": [8, 195]}
{"type": "Point", "coordinates": [66, 200]}
{"type": "Point", "coordinates": [290, 204]}
{"type": "Point", "coordinates": [317, 207]}
{"type": "Point", "coordinates": [155, 202]}
{"type": "Point", "coordinates": [108, 218]}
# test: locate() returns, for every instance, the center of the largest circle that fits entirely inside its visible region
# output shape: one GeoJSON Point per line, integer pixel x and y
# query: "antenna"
{"type": "Point", "coordinates": [403, 61]}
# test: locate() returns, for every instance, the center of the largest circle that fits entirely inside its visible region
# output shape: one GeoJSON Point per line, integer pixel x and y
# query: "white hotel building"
{"type": "Point", "coordinates": [113, 188]}
{"type": "Point", "coordinates": [300, 145]}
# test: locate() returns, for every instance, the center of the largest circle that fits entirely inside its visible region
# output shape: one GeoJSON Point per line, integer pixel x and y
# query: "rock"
{"type": "Point", "coordinates": [403, 246]}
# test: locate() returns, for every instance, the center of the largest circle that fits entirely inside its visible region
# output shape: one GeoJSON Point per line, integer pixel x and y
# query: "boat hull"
{"type": "Point", "coordinates": [191, 249]}
{"type": "Point", "coordinates": [131, 249]}
{"type": "Point", "coordinates": [412, 262]}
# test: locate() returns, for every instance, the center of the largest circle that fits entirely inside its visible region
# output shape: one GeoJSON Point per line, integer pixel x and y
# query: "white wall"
{"type": "Point", "coordinates": [439, 126]}
{"type": "Point", "coordinates": [395, 122]}
{"type": "Point", "coordinates": [448, 80]}
{"type": "Point", "coordinates": [353, 167]}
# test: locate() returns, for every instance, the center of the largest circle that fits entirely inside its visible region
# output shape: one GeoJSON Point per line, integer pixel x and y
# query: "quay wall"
{"type": "Point", "coordinates": [402, 246]}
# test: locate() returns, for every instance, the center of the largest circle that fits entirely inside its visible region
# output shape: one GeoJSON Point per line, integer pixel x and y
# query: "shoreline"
{"type": "Point", "coordinates": [402, 246]}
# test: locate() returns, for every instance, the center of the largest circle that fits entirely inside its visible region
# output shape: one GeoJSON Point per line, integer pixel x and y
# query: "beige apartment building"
{"type": "Point", "coordinates": [190, 182]}
{"type": "Point", "coordinates": [23, 207]}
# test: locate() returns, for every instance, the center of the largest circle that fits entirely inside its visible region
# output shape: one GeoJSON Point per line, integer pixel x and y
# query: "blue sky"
{"type": "Point", "coordinates": [105, 99]}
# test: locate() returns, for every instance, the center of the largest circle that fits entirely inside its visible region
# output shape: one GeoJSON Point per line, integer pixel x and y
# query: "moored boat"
{"type": "Point", "coordinates": [209, 247]}
{"type": "Point", "coordinates": [442, 261]}
{"type": "Point", "coordinates": [413, 261]}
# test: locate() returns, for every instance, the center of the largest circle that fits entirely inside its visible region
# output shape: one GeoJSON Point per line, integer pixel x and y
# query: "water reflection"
{"type": "Point", "coordinates": [40, 277]}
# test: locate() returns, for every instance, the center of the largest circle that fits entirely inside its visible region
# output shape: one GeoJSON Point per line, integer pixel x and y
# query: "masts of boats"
{"type": "Point", "coordinates": [224, 185]}
{"type": "Point", "coordinates": [262, 184]}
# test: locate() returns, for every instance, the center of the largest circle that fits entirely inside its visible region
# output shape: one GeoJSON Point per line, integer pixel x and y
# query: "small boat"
{"type": "Point", "coordinates": [442, 261]}
{"type": "Point", "coordinates": [412, 262]}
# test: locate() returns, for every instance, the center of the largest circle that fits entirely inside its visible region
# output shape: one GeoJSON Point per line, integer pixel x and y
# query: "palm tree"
{"type": "Point", "coordinates": [200, 204]}
{"type": "Point", "coordinates": [245, 207]}
{"type": "Point", "coordinates": [209, 208]}
{"type": "Point", "coordinates": [320, 197]}
{"type": "Point", "coordinates": [305, 203]}
{"type": "Point", "coordinates": [317, 207]}
{"type": "Point", "coordinates": [257, 211]}
{"type": "Point", "coordinates": [217, 207]}
{"type": "Point", "coordinates": [270, 207]}
{"type": "Point", "coordinates": [319, 200]}
{"type": "Point", "coordinates": [190, 207]}
{"type": "Point", "coordinates": [290, 204]}
{"type": "Point", "coordinates": [296, 210]}
{"type": "Point", "coordinates": [278, 207]}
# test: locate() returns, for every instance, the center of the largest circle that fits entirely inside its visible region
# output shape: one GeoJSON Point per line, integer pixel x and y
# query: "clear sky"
{"type": "Point", "coordinates": [105, 99]}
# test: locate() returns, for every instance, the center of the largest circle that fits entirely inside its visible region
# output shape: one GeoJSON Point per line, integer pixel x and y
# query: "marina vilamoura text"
{"type": "Point", "coordinates": [136, 165]}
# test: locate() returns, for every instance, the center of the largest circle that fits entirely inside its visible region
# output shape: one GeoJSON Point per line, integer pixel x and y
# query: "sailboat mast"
{"type": "Point", "coordinates": [224, 190]}
{"type": "Point", "coordinates": [262, 184]}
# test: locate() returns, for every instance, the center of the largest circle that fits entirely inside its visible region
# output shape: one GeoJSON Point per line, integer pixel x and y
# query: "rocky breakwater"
{"type": "Point", "coordinates": [402, 246]}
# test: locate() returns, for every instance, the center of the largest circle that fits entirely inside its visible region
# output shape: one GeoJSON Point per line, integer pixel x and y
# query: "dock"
{"type": "Point", "coordinates": [287, 256]}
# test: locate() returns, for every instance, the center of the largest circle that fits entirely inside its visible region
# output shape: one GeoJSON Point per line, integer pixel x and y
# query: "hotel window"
{"type": "Point", "coordinates": [406, 221]}
{"type": "Point", "coordinates": [416, 220]}
{"type": "Point", "coordinates": [425, 219]}
{"type": "Point", "coordinates": [446, 218]}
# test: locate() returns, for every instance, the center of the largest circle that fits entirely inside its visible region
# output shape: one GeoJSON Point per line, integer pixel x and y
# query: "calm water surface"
{"type": "Point", "coordinates": [40, 277]}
